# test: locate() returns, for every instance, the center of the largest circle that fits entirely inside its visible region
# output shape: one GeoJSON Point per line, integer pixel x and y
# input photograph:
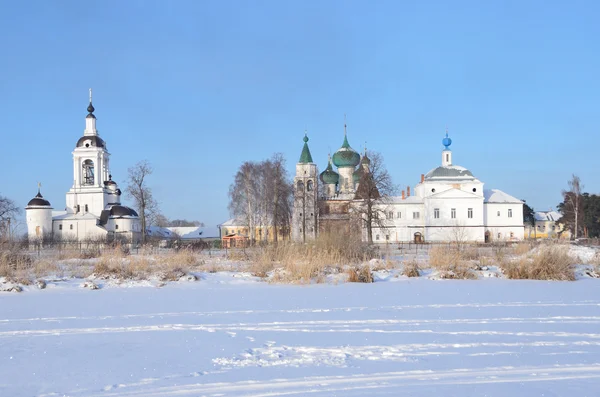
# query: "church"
{"type": "Point", "coordinates": [93, 209]}
{"type": "Point", "coordinates": [448, 204]}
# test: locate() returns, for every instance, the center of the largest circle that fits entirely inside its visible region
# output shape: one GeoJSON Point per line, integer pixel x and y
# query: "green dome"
{"type": "Point", "coordinates": [329, 176]}
{"type": "Point", "coordinates": [346, 156]}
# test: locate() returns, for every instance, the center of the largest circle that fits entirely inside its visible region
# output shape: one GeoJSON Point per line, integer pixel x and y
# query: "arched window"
{"type": "Point", "coordinates": [309, 186]}
{"type": "Point", "coordinates": [300, 186]}
{"type": "Point", "coordinates": [88, 172]}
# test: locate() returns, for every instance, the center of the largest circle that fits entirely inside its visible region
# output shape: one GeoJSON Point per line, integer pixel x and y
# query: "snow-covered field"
{"type": "Point", "coordinates": [231, 335]}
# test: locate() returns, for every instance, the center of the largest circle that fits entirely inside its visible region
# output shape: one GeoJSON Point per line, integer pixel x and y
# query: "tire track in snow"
{"type": "Point", "coordinates": [329, 384]}
{"type": "Point", "coordinates": [311, 310]}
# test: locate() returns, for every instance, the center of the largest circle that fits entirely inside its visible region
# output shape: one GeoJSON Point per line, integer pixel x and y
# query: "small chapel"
{"type": "Point", "coordinates": [449, 203]}
{"type": "Point", "coordinates": [93, 209]}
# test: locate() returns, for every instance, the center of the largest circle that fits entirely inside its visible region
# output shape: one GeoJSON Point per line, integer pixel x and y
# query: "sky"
{"type": "Point", "coordinates": [198, 87]}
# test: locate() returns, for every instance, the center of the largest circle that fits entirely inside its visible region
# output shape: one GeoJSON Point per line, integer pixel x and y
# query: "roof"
{"type": "Point", "coordinates": [305, 157]}
{"type": "Point", "coordinates": [552, 216]}
{"type": "Point", "coordinates": [498, 196]}
{"type": "Point", "coordinates": [407, 200]}
{"type": "Point", "coordinates": [121, 210]}
{"type": "Point", "coordinates": [95, 141]}
{"type": "Point", "coordinates": [449, 172]}
{"type": "Point", "coordinates": [234, 222]}
{"type": "Point", "coordinates": [346, 156]}
{"type": "Point", "coordinates": [195, 232]}
{"type": "Point", "coordinates": [38, 201]}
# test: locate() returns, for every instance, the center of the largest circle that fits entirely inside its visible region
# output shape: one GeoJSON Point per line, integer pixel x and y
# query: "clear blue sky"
{"type": "Point", "coordinates": [198, 87]}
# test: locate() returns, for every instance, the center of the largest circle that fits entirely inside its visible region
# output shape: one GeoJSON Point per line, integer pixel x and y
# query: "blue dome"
{"type": "Point", "coordinates": [447, 142]}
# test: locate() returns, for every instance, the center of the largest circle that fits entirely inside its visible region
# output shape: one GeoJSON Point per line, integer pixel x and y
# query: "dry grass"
{"type": "Point", "coordinates": [450, 263]}
{"type": "Point", "coordinates": [522, 248]}
{"type": "Point", "coordinates": [548, 262]}
{"type": "Point", "coordinates": [303, 263]}
{"type": "Point", "coordinates": [411, 269]}
{"type": "Point", "coordinates": [360, 274]}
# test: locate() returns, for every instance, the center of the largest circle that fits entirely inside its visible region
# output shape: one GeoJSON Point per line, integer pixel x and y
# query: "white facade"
{"type": "Point", "coordinates": [93, 205]}
{"type": "Point", "coordinates": [450, 204]}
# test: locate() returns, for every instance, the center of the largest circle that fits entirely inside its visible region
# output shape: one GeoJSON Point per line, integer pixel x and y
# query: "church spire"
{"type": "Point", "coordinates": [305, 156]}
{"type": "Point", "coordinates": [90, 119]}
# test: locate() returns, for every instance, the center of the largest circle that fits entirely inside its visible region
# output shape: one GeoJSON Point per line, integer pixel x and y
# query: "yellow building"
{"type": "Point", "coordinates": [237, 227]}
{"type": "Point", "coordinates": [547, 225]}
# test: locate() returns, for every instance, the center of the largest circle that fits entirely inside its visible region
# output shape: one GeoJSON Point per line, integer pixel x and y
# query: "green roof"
{"type": "Point", "coordinates": [305, 156]}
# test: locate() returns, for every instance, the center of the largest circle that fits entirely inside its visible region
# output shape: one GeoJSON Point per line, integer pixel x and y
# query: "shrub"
{"type": "Point", "coordinates": [548, 262]}
{"type": "Point", "coordinates": [360, 274]}
{"type": "Point", "coordinates": [450, 263]}
{"type": "Point", "coordinates": [411, 269]}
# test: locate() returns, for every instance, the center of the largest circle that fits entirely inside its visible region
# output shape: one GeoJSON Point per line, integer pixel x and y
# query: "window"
{"type": "Point", "coordinates": [474, 190]}
{"type": "Point", "coordinates": [88, 172]}
{"type": "Point", "coordinates": [116, 227]}
{"type": "Point", "coordinates": [433, 190]}
{"type": "Point", "coordinates": [470, 213]}
{"type": "Point", "coordinates": [86, 208]}
{"type": "Point", "coordinates": [71, 227]}
{"type": "Point", "coordinates": [498, 213]}
{"type": "Point", "coordinates": [416, 215]}
{"type": "Point", "coordinates": [59, 227]}
{"type": "Point", "coordinates": [391, 215]}
{"type": "Point", "coordinates": [447, 157]}
{"type": "Point", "coordinates": [300, 186]}
{"type": "Point", "coordinates": [512, 235]}
{"type": "Point", "coordinates": [436, 213]}
{"type": "Point", "coordinates": [510, 213]}
{"type": "Point", "coordinates": [399, 215]}
{"type": "Point", "coordinates": [377, 237]}
{"type": "Point", "coordinates": [553, 227]}
{"type": "Point", "coordinates": [499, 236]}
{"type": "Point", "coordinates": [387, 237]}
{"type": "Point", "coordinates": [309, 186]}
{"type": "Point", "coordinates": [453, 213]}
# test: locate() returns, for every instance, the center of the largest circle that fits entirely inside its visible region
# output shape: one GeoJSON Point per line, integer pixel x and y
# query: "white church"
{"type": "Point", "coordinates": [448, 204]}
{"type": "Point", "coordinates": [93, 204]}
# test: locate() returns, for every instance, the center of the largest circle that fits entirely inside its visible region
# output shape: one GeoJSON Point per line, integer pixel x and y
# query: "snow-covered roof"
{"type": "Point", "coordinates": [69, 215]}
{"type": "Point", "coordinates": [234, 222]}
{"type": "Point", "coordinates": [498, 196]}
{"type": "Point", "coordinates": [449, 172]}
{"type": "Point", "coordinates": [160, 232]}
{"type": "Point", "coordinates": [185, 233]}
{"type": "Point", "coordinates": [407, 200]}
{"type": "Point", "coordinates": [551, 216]}
{"type": "Point", "coordinates": [195, 232]}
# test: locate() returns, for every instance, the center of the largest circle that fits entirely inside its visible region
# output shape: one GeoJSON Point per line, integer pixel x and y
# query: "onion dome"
{"type": "Point", "coordinates": [358, 174]}
{"type": "Point", "coordinates": [38, 201]}
{"type": "Point", "coordinates": [110, 181]}
{"type": "Point", "coordinates": [346, 156]}
{"type": "Point", "coordinates": [90, 108]}
{"type": "Point", "coordinates": [305, 157]}
{"type": "Point", "coordinates": [446, 142]}
{"type": "Point", "coordinates": [329, 176]}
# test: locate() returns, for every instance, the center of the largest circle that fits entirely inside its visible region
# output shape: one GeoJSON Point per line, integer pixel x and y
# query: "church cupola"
{"type": "Point", "coordinates": [446, 153]}
{"type": "Point", "coordinates": [330, 179]}
{"type": "Point", "coordinates": [305, 157]}
{"type": "Point", "coordinates": [346, 159]}
{"type": "Point", "coordinates": [38, 215]}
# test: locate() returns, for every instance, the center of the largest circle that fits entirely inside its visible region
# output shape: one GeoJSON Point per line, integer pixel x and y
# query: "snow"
{"type": "Point", "coordinates": [498, 196]}
{"type": "Point", "coordinates": [231, 335]}
{"type": "Point", "coordinates": [551, 216]}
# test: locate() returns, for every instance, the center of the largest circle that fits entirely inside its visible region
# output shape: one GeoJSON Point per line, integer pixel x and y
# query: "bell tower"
{"type": "Point", "coordinates": [90, 170]}
{"type": "Point", "coordinates": [304, 216]}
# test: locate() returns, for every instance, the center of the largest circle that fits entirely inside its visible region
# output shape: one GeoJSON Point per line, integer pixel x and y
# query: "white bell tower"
{"type": "Point", "coordinates": [90, 170]}
{"type": "Point", "coordinates": [305, 211]}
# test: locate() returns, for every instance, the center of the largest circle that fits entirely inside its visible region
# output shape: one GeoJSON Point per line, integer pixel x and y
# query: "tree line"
{"type": "Point", "coordinates": [260, 198]}
{"type": "Point", "coordinates": [580, 210]}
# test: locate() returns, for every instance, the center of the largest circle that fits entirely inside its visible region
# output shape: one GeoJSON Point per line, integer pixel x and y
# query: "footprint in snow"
{"type": "Point", "coordinates": [251, 339]}
{"type": "Point", "coordinates": [232, 334]}
{"type": "Point", "coordinates": [269, 343]}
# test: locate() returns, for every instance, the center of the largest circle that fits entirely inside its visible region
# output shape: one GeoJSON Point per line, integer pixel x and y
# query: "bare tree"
{"type": "Point", "coordinates": [140, 192]}
{"type": "Point", "coordinates": [8, 211]}
{"type": "Point", "coordinates": [260, 196]}
{"type": "Point", "coordinates": [374, 190]}
{"type": "Point", "coordinates": [572, 205]}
